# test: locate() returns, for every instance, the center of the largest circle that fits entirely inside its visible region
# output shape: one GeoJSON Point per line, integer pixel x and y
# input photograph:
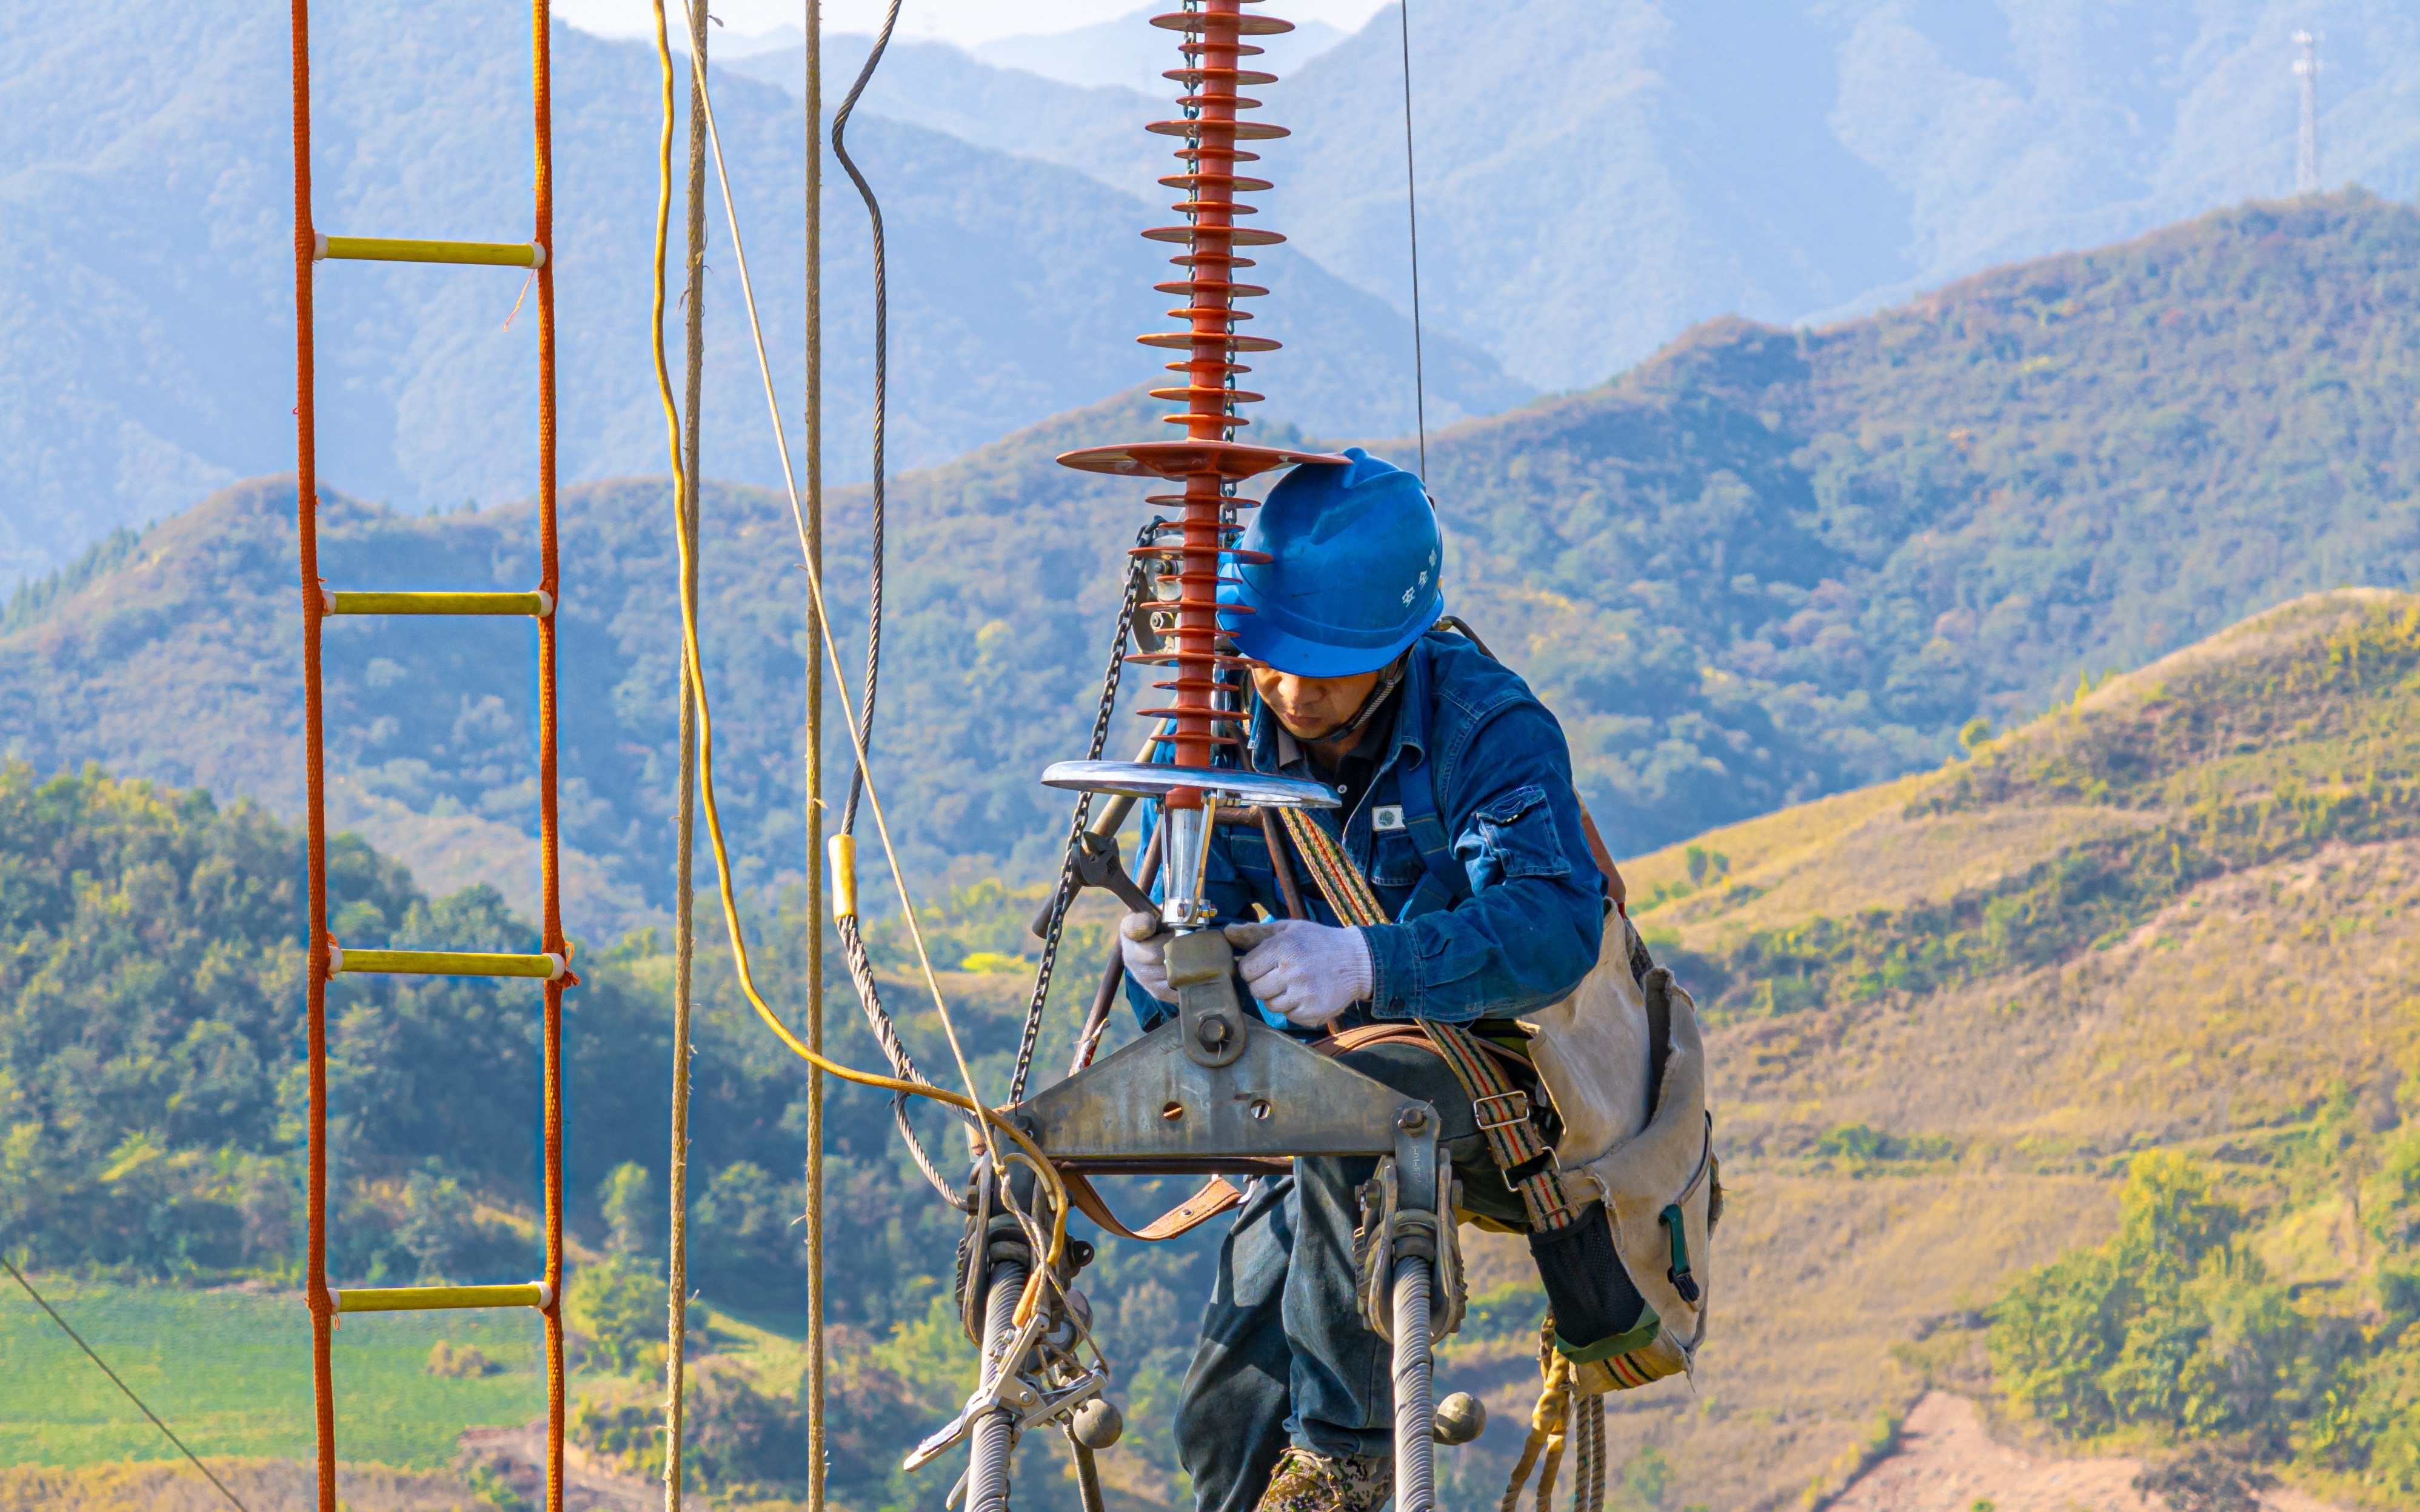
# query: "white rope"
{"type": "Point", "coordinates": [823, 617]}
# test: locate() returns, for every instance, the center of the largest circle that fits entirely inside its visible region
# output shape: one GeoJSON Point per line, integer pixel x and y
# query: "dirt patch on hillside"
{"type": "Point", "coordinates": [1948, 1462]}
{"type": "Point", "coordinates": [518, 1456]}
{"type": "Point", "coordinates": [262, 1485]}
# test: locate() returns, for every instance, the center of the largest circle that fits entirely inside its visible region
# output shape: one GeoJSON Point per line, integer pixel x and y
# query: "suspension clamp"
{"type": "Point", "coordinates": [1389, 1232]}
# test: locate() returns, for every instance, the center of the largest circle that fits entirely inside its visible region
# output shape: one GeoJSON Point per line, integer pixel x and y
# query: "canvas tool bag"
{"type": "Point", "coordinates": [1623, 1063]}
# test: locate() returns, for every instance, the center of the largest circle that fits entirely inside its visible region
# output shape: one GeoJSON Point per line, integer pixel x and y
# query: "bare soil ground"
{"type": "Point", "coordinates": [518, 1455]}
{"type": "Point", "coordinates": [263, 1486]}
{"type": "Point", "coordinates": [1948, 1462]}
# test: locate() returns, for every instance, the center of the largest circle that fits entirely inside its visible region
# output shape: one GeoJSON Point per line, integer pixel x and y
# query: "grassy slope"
{"type": "Point", "coordinates": [2214, 1013]}
{"type": "Point", "coordinates": [230, 1371]}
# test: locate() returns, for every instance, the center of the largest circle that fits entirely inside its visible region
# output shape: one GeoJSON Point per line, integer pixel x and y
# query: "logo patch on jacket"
{"type": "Point", "coordinates": [1387, 816]}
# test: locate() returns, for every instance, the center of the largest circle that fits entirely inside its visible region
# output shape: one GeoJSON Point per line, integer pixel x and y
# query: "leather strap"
{"type": "Point", "coordinates": [1217, 1197]}
{"type": "Point", "coordinates": [1398, 1032]}
{"type": "Point", "coordinates": [1615, 888]}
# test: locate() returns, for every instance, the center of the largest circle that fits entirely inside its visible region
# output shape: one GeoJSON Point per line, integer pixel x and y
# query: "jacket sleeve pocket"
{"type": "Point", "coordinates": [1516, 830]}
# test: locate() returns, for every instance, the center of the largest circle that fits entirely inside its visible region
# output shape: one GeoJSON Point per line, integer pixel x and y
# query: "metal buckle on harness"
{"type": "Point", "coordinates": [1516, 1101]}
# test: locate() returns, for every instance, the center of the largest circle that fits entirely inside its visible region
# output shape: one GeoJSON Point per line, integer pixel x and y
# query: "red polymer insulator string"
{"type": "Point", "coordinates": [1213, 49]}
{"type": "Point", "coordinates": [1209, 461]}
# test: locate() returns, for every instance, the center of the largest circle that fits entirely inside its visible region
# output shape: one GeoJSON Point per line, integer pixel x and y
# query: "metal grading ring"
{"type": "Point", "coordinates": [1144, 779]}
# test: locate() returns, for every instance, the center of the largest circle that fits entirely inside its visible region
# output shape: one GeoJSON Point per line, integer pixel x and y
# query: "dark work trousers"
{"type": "Point", "coordinates": [1284, 1356]}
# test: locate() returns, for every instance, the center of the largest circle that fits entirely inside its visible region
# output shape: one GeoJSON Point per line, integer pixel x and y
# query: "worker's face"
{"type": "Point", "coordinates": [1309, 707]}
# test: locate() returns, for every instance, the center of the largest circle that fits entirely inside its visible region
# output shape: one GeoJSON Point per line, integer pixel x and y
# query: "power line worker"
{"type": "Point", "coordinates": [1288, 1403]}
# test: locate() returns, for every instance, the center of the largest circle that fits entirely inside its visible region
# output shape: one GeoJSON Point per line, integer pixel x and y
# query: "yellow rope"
{"type": "Point", "coordinates": [677, 1270]}
{"type": "Point", "coordinates": [987, 1118]}
{"type": "Point", "coordinates": [1550, 1424]}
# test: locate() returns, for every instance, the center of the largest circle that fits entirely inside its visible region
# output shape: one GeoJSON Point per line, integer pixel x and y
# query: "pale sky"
{"type": "Point", "coordinates": [965, 22]}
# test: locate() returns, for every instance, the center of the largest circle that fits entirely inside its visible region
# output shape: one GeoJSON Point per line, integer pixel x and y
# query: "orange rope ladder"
{"type": "Point", "coordinates": [327, 956]}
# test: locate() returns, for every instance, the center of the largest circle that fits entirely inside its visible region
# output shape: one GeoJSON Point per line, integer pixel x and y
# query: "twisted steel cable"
{"type": "Point", "coordinates": [881, 397]}
{"type": "Point", "coordinates": [903, 1065]}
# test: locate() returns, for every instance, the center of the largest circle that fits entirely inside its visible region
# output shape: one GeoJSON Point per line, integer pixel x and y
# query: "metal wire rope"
{"type": "Point", "coordinates": [852, 937]}
{"type": "Point", "coordinates": [860, 976]}
{"type": "Point", "coordinates": [990, 1123]}
{"type": "Point", "coordinates": [857, 778]}
{"type": "Point", "coordinates": [116, 1380]}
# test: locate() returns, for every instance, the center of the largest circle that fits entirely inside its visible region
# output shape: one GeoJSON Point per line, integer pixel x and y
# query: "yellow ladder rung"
{"type": "Point", "coordinates": [537, 604]}
{"type": "Point", "coordinates": [444, 963]}
{"type": "Point", "coordinates": [433, 1299]}
{"type": "Point", "coordinates": [394, 250]}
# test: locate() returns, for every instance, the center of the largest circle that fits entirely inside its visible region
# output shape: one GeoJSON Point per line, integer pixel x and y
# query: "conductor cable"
{"type": "Point", "coordinates": [857, 778]}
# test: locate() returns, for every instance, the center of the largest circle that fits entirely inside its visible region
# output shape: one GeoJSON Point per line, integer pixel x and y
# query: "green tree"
{"type": "Point", "coordinates": [626, 1196]}
{"type": "Point", "coordinates": [739, 1233]}
{"type": "Point", "coordinates": [2055, 1334]}
{"type": "Point", "coordinates": [2164, 1376]}
{"type": "Point", "coordinates": [1645, 1479]}
{"type": "Point", "coordinates": [617, 1304]}
{"type": "Point", "coordinates": [2170, 1217]}
{"type": "Point", "coordinates": [2389, 1199]}
{"type": "Point", "coordinates": [438, 1225]}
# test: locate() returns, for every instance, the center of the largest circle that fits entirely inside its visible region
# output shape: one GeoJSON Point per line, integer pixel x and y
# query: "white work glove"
{"type": "Point", "coordinates": [1311, 973]}
{"type": "Point", "coordinates": [1143, 944]}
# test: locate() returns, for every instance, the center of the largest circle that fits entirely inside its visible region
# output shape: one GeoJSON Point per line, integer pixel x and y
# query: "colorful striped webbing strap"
{"type": "Point", "coordinates": [1502, 1110]}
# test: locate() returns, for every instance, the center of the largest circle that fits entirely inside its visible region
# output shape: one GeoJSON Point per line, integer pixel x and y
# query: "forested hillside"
{"type": "Point", "coordinates": [2074, 1074]}
{"type": "Point", "coordinates": [1765, 566]}
{"type": "Point", "coordinates": [151, 1092]}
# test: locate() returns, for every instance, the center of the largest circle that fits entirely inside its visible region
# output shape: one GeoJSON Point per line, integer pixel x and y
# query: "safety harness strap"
{"type": "Point", "coordinates": [1502, 1110]}
{"type": "Point", "coordinates": [1331, 869]}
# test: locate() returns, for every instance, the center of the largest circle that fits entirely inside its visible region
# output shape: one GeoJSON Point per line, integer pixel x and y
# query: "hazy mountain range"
{"type": "Point", "coordinates": [1765, 566]}
{"type": "Point", "coordinates": [147, 353]}
{"type": "Point", "coordinates": [1594, 178]}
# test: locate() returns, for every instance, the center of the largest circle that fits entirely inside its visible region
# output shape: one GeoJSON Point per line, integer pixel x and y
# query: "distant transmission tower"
{"type": "Point", "coordinates": [2307, 147]}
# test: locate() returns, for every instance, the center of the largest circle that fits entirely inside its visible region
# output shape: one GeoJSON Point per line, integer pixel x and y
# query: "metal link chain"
{"type": "Point", "coordinates": [1066, 892]}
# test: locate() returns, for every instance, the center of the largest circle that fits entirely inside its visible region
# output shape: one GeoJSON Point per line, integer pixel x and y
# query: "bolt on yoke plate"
{"type": "Point", "coordinates": [1216, 1086]}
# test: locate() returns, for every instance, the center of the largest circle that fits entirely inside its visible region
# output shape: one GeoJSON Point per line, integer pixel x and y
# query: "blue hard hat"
{"type": "Point", "coordinates": [1354, 574]}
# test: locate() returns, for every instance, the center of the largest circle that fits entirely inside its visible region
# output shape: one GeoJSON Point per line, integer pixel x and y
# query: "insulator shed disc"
{"type": "Point", "coordinates": [1244, 131]}
{"type": "Point", "coordinates": [1201, 21]}
{"type": "Point", "coordinates": [1239, 235]}
{"type": "Point", "coordinates": [1180, 340]}
{"type": "Point", "coordinates": [1179, 459]}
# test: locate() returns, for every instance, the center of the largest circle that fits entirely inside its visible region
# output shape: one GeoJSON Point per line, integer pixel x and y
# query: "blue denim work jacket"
{"type": "Point", "coordinates": [1531, 915]}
